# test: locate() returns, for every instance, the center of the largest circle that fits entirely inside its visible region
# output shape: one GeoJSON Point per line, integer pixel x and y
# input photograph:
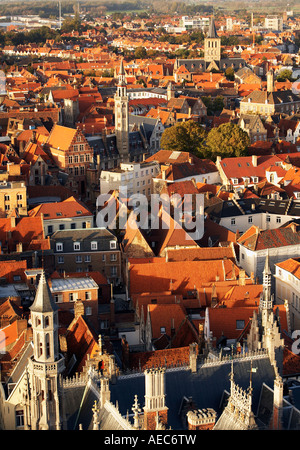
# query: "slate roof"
{"type": "Point", "coordinates": [251, 206]}
{"type": "Point", "coordinates": [272, 98]}
{"type": "Point", "coordinates": [206, 386]}
{"type": "Point", "coordinates": [43, 301]}
{"type": "Point", "coordinates": [85, 236]}
{"type": "Point", "coordinates": [194, 65]}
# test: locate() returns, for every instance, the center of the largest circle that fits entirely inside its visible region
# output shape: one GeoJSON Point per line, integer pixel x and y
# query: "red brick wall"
{"type": "Point", "coordinates": [206, 426]}
{"type": "Point", "coordinates": [150, 419]}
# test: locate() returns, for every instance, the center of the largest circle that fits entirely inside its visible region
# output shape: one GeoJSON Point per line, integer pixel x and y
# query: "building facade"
{"type": "Point", "coordinates": [87, 250]}
{"type": "Point", "coordinates": [130, 178]}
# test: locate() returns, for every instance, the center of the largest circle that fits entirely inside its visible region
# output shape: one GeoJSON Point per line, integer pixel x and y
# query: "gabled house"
{"type": "Point", "coordinates": [245, 171]}
{"type": "Point", "coordinates": [253, 126]}
{"type": "Point", "coordinates": [279, 244]}
{"type": "Point", "coordinates": [163, 325]}
{"type": "Point", "coordinates": [71, 152]}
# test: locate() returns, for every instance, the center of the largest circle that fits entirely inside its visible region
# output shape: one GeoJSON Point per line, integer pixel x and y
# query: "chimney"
{"type": "Point", "coordinates": [242, 278]}
{"type": "Point", "coordinates": [78, 309]}
{"type": "Point", "coordinates": [270, 81]}
{"type": "Point", "coordinates": [254, 160]}
{"type": "Point", "coordinates": [155, 407]}
{"type": "Point", "coordinates": [193, 357]}
{"type": "Point", "coordinates": [275, 423]}
{"type": "Point", "coordinates": [172, 328]}
{"type": "Point", "coordinates": [12, 222]}
{"type": "Point", "coordinates": [104, 391]}
{"type": "Point", "coordinates": [214, 297]}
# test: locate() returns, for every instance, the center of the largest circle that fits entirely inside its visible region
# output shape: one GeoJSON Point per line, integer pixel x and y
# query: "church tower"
{"type": "Point", "coordinates": [122, 115]}
{"type": "Point", "coordinates": [266, 300]}
{"type": "Point", "coordinates": [212, 44]}
{"type": "Point", "coordinates": [270, 81]}
{"type": "Point", "coordinates": [46, 365]}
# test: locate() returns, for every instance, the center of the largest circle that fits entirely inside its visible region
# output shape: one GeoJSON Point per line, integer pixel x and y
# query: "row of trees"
{"type": "Point", "coordinates": [226, 140]}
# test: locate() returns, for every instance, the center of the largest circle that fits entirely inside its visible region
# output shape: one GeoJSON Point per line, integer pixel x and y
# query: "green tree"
{"type": "Point", "coordinates": [140, 53]}
{"type": "Point", "coordinates": [213, 105]}
{"type": "Point", "coordinates": [186, 136]}
{"type": "Point", "coordinates": [284, 75]}
{"type": "Point", "coordinates": [229, 74]}
{"type": "Point", "coordinates": [227, 140]}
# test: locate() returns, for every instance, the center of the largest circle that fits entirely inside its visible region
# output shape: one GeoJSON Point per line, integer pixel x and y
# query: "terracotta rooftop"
{"type": "Point", "coordinates": [177, 277]}
{"type": "Point", "coordinates": [256, 239]}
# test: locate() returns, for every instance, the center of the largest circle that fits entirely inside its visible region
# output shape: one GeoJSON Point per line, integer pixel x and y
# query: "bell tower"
{"type": "Point", "coordinates": [46, 365]}
{"type": "Point", "coordinates": [212, 44]}
{"type": "Point", "coordinates": [122, 115]}
{"type": "Point", "coordinates": [266, 300]}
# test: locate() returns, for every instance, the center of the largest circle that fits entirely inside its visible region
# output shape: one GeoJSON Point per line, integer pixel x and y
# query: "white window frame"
{"type": "Point", "coordinates": [59, 246]}
{"type": "Point", "coordinates": [112, 244]}
{"type": "Point", "coordinates": [76, 246]}
{"type": "Point", "coordinates": [94, 245]}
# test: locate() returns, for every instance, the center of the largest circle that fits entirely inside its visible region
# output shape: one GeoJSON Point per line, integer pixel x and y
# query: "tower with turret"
{"type": "Point", "coordinates": [212, 44]}
{"type": "Point", "coordinates": [46, 366]}
{"type": "Point", "coordinates": [122, 115]}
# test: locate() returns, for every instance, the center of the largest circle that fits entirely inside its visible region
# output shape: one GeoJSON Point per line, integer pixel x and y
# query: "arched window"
{"type": "Point", "coordinates": [46, 321]}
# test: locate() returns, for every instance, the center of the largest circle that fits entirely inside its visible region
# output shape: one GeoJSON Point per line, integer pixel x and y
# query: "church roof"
{"type": "Point", "coordinates": [43, 301]}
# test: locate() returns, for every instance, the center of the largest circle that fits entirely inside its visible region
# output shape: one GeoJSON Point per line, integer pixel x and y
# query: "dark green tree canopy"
{"type": "Point", "coordinates": [227, 140]}
{"type": "Point", "coordinates": [186, 136]}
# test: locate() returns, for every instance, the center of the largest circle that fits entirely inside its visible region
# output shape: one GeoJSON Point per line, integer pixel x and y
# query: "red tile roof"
{"type": "Point", "coordinates": [256, 239]}
{"type": "Point", "coordinates": [71, 207]}
{"type": "Point", "coordinates": [160, 358]}
{"type": "Point", "coordinates": [178, 277]}
{"type": "Point", "coordinates": [27, 230]}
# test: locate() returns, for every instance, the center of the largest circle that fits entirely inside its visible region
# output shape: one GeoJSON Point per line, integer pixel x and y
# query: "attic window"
{"type": "Point", "coordinates": [78, 212]}
{"type": "Point", "coordinates": [94, 245]}
{"type": "Point", "coordinates": [76, 246]}
{"type": "Point", "coordinates": [58, 213]}
{"type": "Point", "coordinates": [46, 215]}
{"type": "Point", "coordinates": [113, 244]}
{"type": "Point", "coordinates": [240, 324]}
{"type": "Point", "coordinates": [163, 330]}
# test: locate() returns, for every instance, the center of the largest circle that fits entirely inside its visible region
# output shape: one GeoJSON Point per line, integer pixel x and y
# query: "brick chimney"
{"type": "Point", "coordinates": [276, 421]}
{"type": "Point", "coordinates": [155, 406]}
{"type": "Point", "coordinates": [78, 309]}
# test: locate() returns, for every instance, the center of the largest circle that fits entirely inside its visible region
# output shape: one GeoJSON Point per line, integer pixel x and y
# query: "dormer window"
{"type": "Point", "coordinates": [76, 246]}
{"type": "Point", "coordinates": [234, 180]}
{"type": "Point", "coordinates": [94, 245]}
{"type": "Point", "coordinates": [59, 247]}
{"type": "Point", "coordinates": [113, 245]}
